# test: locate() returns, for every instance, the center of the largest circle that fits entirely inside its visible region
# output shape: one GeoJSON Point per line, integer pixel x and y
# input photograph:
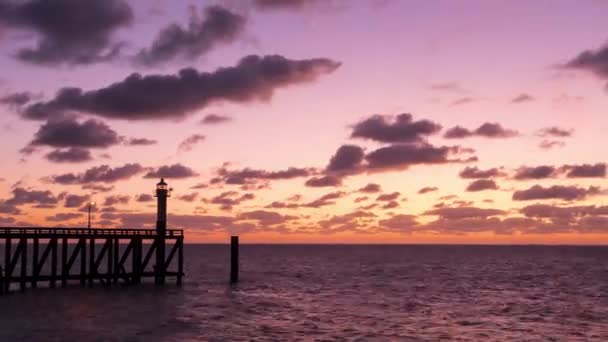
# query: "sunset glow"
{"type": "Point", "coordinates": [479, 122]}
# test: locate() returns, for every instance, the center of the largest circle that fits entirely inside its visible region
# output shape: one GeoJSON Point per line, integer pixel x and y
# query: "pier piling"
{"type": "Point", "coordinates": [234, 259]}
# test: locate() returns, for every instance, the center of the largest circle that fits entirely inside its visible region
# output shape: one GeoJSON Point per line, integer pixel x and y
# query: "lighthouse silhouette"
{"type": "Point", "coordinates": [162, 192]}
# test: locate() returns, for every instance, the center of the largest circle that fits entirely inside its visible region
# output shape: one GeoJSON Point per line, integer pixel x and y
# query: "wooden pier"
{"type": "Point", "coordinates": [106, 256]}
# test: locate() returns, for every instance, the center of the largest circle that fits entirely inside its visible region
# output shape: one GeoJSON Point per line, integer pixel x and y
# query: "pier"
{"type": "Point", "coordinates": [59, 256]}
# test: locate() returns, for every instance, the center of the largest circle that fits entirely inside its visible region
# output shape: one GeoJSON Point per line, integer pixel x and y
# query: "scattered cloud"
{"type": "Point", "coordinates": [215, 119]}
{"type": "Point", "coordinates": [62, 36]}
{"type": "Point", "coordinates": [68, 132]}
{"type": "Point", "coordinates": [475, 173]}
{"type": "Point", "coordinates": [392, 129]}
{"type": "Point", "coordinates": [481, 185]}
{"type": "Point", "coordinates": [324, 181]}
{"type": "Point", "coordinates": [175, 171]}
{"type": "Point", "coordinates": [217, 25]}
{"type": "Point", "coordinates": [521, 98]}
{"type": "Point", "coordinates": [174, 96]}
{"type": "Point", "coordinates": [566, 193]}
{"type": "Point", "coordinates": [189, 143]}
{"type": "Point", "coordinates": [486, 130]}
{"type": "Point", "coordinates": [427, 189]}
{"type": "Point", "coordinates": [535, 172]}
{"type": "Point", "coordinates": [555, 132]}
{"type": "Point", "coordinates": [71, 155]}
{"type": "Point", "coordinates": [99, 174]}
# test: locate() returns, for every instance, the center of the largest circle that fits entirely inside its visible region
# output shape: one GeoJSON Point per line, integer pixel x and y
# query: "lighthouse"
{"type": "Point", "coordinates": [162, 192]}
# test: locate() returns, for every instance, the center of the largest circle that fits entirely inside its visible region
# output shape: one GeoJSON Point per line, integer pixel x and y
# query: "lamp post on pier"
{"type": "Point", "coordinates": [91, 204]}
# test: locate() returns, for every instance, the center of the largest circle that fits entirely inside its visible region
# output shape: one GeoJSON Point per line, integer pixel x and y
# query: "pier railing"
{"type": "Point", "coordinates": [86, 232]}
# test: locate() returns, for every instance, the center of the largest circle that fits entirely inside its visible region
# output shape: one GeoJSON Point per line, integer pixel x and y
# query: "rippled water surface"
{"type": "Point", "coordinates": [327, 293]}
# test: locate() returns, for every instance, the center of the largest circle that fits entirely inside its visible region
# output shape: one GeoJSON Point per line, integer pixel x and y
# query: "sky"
{"type": "Point", "coordinates": [309, 121]}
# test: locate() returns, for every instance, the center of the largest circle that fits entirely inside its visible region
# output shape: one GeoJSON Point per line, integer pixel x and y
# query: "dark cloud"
{"type": "Point", "coordinates": [585, 170]}
{"type": "Point", "coordinates": [361, 199]}
{"type": "Point", "coordinates": [22, 196]}
{"type": "Point", "coordinates": [482, 184]}
{"type": "Point", "coordinates": [370, 188]}
{"type": "Point", "coordinates": [535, 172]}
{"type": "Point", "coordinates": [98, 187]}
{"type": "Point", "coordinates": [175, 171]}
{"type": "Point", "coordinates": [214, 119]}
{"type": "Point", "coordinates": [101, 174]}
{"type": "Point", "coordinates": [347, 158]}
{"type": "Point", "coordinates": [116, 199]}
{"type": "Point", "coordinates": [406, 155]}
{"type": "Point", "coordinates": [191, 197]}
{"type": "Point", "coordinates": [140, 142]}
{"type": "Point", "coordinates": [60, 217]}
{"type": "Point", "coordinates": [388, 197]}
{"type": "Point", "coordinates": [174, 96]}
{"type": "Point", "coordinates": [324, 181]}
{"type": "Point", "coordinates": [264, 217]}
{"type": "Point", "coordinates": [474, 172]}
{"type": "Point", "coordinates": [522, 98]}
{"type": "Point", "coordinates": [284, 4]}
{"type": "Point", "coordinates": [390, 205]}
{"type": "Point", "coordinates": [62, 34]}
{"type": "Point", "coordinates": [486, 130]}
{"type": "Point", "coordinates": [566, 193]}
{"type": "Point", "coordinates": [227, 200]}
{"type": "Point", "coordinates": [325, 200]}
{"type": "Point", "coordinates": [455, 213]}
{"type": "Point", "coordinates": [249, 176]}
{"type": "Point", "coordinates": [144, 198]}
{"type": "Point", "coordinates": [389, 129]}
{"type": "Point", "coordinates": [68, 132]}
{"type": "Point", "coordinates": [17, 99]}
{"type": "Point", "coordinates": [554, 132]}
{"type": "Point", "coordinates": [594, 61]}
{"type": "Point", "coordinates": [71, 155]}
{"type": "Point", "coordinates": [75, 201]}
{"type": "Point", "coordinates": [427, 189]}
{"type": "Point", "coordinates": [462, 101]}
{"type": "Point", "coordinates": [399, 224]}
{"type": "Point", "coordinates": [217, 25]}
{"type": "Point", "coordinates": [189, 143]}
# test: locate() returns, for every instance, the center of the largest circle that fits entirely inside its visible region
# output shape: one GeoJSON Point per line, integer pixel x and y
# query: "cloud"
{"type": "Point", "coordinates": [71, 155]}
{"type": "Point", "coordinates": [144, 198]}
{"type": "Point", "coordinates": [549, 144]}
{"type": "Point", "coordinates": [250, 176]}
{"type": "Point", "coordinates": [191, 197]}
{"type": "Point", "coordinates": [566, 193]}
{"type": "Point", "coordinates": [74, 201]}
{"type": "Point", "coordinates": [389, 129]}
{"type": "Point", "coordinates": [462, 101]}
{"type": "Point", "coordinates": [448, 87]}
{"type": "Point", "coordinates": [482, 184]}
{"type": "Point", "coordinates": [585, 170]}
{"type": "Point", "coordinates": [217, 25]}
{"type": "Point", "coordinates": [264, 217]}
{"type": "Point", "coordinates": [140, 142]}
{"type": "Point", "coordinates": [17, 100]}
{"type": "Point", "coordinates": [285, 4]}
{"type": "Point", "coordinates": [474, 173]}
{"type": "Point", "coordinates": [522, 98]}
{"type": "Point", "coordinates": [61, 217]}
{"type": "Point", "coordinates": [227, 200]}
{"type": "Point", "coordinates": [555, 132]}
{"type": "Point", "coordinates": [400, 223]}
{"type": "Point", "coordinates": [175, 171]}
{"type": "Point", "coordinates": [62, 36]}
{"type": "Point", "coordinates": [214, 119]}
{"type": "Point", "coordinates": [325, 200]}
{"type": "Point", "coordinates": [456, 213]}
{"type": "Point", "coordinates": [396, 157]}
{"type": "Point", "coordinates": [535, 172]}
{"type": "Point", "coordinates": [427, 189]}
{"type": "Point", "coordinates": [370, 188]}
{"type": "Point", "coordinates": [22, 196]}
{"type": "Point", "coordinates": [324, 181]}
{"type": "Point", "coordinates": [594, 61]}
{"type": "Point", "coordinates": [388, 197]}
{"type": "Point", "coordinates": [100, 174]}
{"type": "Point", "coordinates": [347, 158]}
{"type": "Point", "coordinates": [486, 130]}
{"type": "Point", "coordinates": [174, 96]}
{"type": "Point", "coordinates": [116, 199]}
{"type": "Point", "coordinates": [98, 187]}
{"type": "Point", "coordinates": [189, 143]}
{"type": "Point", "coordinates": [68, 132]}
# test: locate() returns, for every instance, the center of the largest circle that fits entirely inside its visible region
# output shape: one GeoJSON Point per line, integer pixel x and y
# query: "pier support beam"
{"type": "Point", "coordinates": [234, 259]}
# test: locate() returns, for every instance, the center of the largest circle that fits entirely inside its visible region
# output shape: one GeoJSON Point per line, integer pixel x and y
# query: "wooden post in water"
{"type": "Point", "coordinates": [234, 259]}
{"type": "Point", "coordinates": [1, 280]}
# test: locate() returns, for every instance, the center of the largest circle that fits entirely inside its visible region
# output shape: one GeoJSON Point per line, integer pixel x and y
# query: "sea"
{"type": "Point", "coordinates": [337, 293]}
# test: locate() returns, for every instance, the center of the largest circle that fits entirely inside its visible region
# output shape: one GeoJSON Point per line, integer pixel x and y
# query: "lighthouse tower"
{"type": "Point", "coordinates": [162, 192]}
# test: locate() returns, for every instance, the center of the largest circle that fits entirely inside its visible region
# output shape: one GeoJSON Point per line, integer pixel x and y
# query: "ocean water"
{"type": "Point", "coordinates": [337, 293]}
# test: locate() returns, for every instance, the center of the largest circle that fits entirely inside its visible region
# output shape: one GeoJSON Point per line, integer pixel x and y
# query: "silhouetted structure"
{"type": "Point", "coordinates": [234, 259]}
{"type": "Point", "coordinates": [105, 255]}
